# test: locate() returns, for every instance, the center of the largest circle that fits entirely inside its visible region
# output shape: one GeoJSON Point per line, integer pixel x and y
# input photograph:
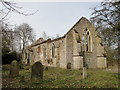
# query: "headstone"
{"type": "Point", "coordinates": [37, 71]}
{"type": "Point", "coordinates": [14, 69]}
{"type": "Point", "coordinates": [84, 72]}
{"type": "Point", "coordinates": [69, 66]}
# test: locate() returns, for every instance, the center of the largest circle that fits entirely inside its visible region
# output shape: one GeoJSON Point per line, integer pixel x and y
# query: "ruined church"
{"type": "Point", "coordinates": [68, 49]}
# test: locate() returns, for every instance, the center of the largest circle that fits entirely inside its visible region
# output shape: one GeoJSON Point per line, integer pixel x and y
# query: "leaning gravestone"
{"type": "Point", "coordinates": [14, 69]}
{"type": "Point", "coordinates": [37, 71]}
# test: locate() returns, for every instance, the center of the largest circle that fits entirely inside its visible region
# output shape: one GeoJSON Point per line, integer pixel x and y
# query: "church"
{"type": "Point", "coordinates": [68, 50]}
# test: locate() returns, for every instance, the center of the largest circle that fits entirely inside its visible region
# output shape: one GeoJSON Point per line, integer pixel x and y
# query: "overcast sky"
{"type": "Point", "coordinates": [52, 17]}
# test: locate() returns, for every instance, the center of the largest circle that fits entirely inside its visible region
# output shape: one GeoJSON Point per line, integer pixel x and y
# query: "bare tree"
{"type": "Point", "coordinates": [10, 6]}
{"type": "Point", "coordinates": [45, 36]}
{"type": "Point", "coordinates": [7, 37]}
{"type": "Point", "coordinates": [107, 14]}
{"type": "Point", "coordinates": [8, 46]}
{"type": "Point", "coordinates": [106, 18]}
{"type": "Point", "coordinates": [14, 40]}
{"type": "Point", "coordinates": [25, 35]}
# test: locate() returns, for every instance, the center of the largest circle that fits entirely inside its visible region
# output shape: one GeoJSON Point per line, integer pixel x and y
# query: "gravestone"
{"type": "Point", "coordinates": [14, 69]}
{"type": "Point", "coordinates": [37, 71]}
{"type": "Point", "coordinates": [69, 66]}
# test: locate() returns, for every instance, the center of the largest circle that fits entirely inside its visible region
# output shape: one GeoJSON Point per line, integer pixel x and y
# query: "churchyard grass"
{"type": "Point", "coordinates": [62, 78]}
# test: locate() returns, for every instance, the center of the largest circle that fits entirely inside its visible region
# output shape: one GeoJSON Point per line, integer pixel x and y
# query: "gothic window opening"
{"type": "Point", "coordinates": [53, 50]}
{"type": "Point", "coordinates": [39, 49]}
{"type": "Point", "coordinates": [44, 52]}
{"type": "Point", "coordinates": [87, 41]}
{"type": "Point", "coordinates": [28, 59]}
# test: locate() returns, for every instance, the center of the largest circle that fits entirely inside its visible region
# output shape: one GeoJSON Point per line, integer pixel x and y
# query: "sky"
{"type": "Point", "coordinates": [52, 17]}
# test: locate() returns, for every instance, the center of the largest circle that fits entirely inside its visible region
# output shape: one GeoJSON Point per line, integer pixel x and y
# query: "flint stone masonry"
{"type": "Point", "coordinates": [69, 48]}
{"type": "Point", "coordinates": [14, 69]}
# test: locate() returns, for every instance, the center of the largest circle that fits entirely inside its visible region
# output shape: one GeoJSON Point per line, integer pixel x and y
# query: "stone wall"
{"type": "Point", "coordinates": [59, 58]}
{"type": "Point", "coordinates": [101, 62]}
{"type": "Point", "coordinates": [78, 62]}
{"type": "Point", "coordinates": [62, 53]}
{"type": "Point", "coordinates": [91, 56]}
{"type": "Point", "coordinates": [69, 48]}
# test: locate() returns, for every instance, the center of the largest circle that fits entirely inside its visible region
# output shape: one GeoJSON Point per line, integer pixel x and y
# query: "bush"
{"type": "Point", "coordinates": [8, 57]}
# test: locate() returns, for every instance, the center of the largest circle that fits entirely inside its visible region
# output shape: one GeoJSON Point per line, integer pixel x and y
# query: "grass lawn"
{"type": "Point", "coordinates": [62, 78]}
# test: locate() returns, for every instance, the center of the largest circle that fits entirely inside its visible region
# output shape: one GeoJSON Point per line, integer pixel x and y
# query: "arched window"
{"type": "Point", "coordinates": [44, 52]}
{"type": "Point", "coordinates": [39, 49]}
{"type": "Point", "coordinates": [53, 50]}
{"type": "Point", "coordinates": [28, 59]}
{"type": "Point", "coordinates": [87, 41]}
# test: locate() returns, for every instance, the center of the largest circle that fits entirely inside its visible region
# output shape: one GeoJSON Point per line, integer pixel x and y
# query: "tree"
{"type": "Point", "coordinates": [15, 41]}
{"type": "Point", "coordinates": [106, 18]}
{"type": "Point", "coordinates": [11, 6]}
{"type": "Point", "coordinates": [8, 50]}
{"type": "Point", "coordinates": [45, 36]}
{"type": "Point", "coordinates": [107, 14]}
{"type": "Point", "coordinates": [25, 35]}
{"type": "Point", "coordinates": [12, 43]}
{"type": "Point", "coordinates": [7, 37]}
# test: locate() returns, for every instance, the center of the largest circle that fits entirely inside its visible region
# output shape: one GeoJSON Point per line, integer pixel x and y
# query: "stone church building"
{"type": "Point", "coordinates": [68, 50]}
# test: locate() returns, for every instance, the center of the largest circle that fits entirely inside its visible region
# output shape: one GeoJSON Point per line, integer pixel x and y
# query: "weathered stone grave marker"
{"type": "Point", "coordinates": [14, 69]}
{"type": "Point", "coordinates": [69, 66]}
{"type": "Point", "coordinates": [37, 71]}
